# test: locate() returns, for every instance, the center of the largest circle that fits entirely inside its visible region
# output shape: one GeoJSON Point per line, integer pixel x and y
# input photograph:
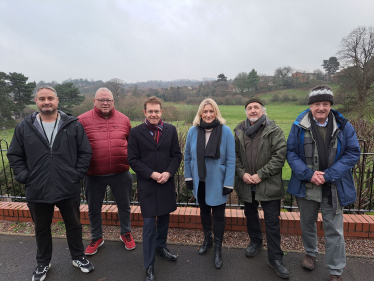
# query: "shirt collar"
{"type": "Point", "coordinates": [319, 124]}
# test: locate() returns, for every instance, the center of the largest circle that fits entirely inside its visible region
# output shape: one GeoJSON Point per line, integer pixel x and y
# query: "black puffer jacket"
{"type": "Point", "coordinates": [50, 175]}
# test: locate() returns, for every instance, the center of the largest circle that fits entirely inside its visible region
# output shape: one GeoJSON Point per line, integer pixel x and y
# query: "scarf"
{"type": "Point", "coordinates": [212, 148]}
{"type": "Point", "coordinates": [323, 151]}
{"type": "Point", "coordinates": [156, 130]}
{"type": "Point", "coordinates": [252, 130]}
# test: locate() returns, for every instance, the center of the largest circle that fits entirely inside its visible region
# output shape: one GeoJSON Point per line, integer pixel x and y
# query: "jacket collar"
{"type": "Point", "coordinates": [303, 120]}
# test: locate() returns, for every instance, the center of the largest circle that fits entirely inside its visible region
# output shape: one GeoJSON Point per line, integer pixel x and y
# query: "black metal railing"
{"type": "Point", "coordinates": [11, 190]}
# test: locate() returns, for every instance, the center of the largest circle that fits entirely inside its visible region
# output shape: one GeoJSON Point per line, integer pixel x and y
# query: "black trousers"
{"type": "Point", "coordinates": [271, 215]}
{"type": "Point", "coordinates": [218, 212]}
{"type": "Point", "coordinates": [121, 186]}
{"type": "Point", "coordinates": [154, 236]}
{"type": "Point", "coordinates": [42, 214]}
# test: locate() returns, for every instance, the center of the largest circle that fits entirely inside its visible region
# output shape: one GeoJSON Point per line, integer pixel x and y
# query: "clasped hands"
{"type": "Point", "coordinates": [248, 179]}
{"type": "Point", "coordinates": [161, 178]}
{"type": "Point", "coordinates": [318, 178]}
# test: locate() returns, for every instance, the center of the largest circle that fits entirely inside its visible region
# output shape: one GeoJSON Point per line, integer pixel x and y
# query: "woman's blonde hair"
{"type": "Point", "coordinates": [196, 121]}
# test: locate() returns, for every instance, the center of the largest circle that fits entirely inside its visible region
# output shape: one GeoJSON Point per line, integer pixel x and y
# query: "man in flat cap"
{"type": "Point", "coordinates": [260, 148]}
{"type": "Point", "coordinates": [322, 148]}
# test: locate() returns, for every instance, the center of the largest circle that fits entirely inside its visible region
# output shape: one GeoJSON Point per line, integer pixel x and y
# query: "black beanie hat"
{"type": "Point", "coordinates": [254, 99]}
{"type": "Point", "coordinates": [321, 93]}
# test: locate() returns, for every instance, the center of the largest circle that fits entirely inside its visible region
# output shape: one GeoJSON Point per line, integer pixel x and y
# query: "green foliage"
{"type": "Point", "coordinates": [6, 103]}
{"type": "Point", "coordinates": [69, 96]}
{"type": "Point", "coordinates": [331, 65]}
{"type": "Point", "coordinates": [221, 77]}
{"type": "Point", "coordinates": [21, 90]}
{"type": "Point", "coordinates": [252, 80]}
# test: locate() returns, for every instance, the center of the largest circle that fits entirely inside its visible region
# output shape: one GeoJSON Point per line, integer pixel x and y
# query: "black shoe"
{"type": "Point", "coordinates": [150, 273]}
{"type": "Point", "coordinates": [253, 249]}
{"type": "Point", "coordinates": [84, 265]}
{"type": "Point", "coordinates": [165, 253]}
{"type": "Point", "coordinates": [208, 242]}
{"type": "Point", "coordinates": [280, 268]}
{"type": "Point", "coordinates": [40, 273]}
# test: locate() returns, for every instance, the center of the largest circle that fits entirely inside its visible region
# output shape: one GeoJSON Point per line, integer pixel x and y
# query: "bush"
{"type": "Point", "coordinates": [285, 98]}
{"type": "Point", "coordinates": [275, 98]}
{"type": "Point", "coordinates": [85, 106]}
{"type": "Point", "coordinates": [171, 113]}
{"type": "Point", "coordinates": [303, 100]}
{"type": "Point", "coordinates": [189, 114]}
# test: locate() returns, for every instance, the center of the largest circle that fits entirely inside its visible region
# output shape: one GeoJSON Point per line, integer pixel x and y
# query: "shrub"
{"type": "Point", "coordinates": [285, 98]}
{"type": "Point", "coordinates": [275, 98]}
{"type": "Point", "coordinates": [303, 100]}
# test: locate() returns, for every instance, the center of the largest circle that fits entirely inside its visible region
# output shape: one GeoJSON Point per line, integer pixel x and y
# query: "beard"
{"type": "Point", "coordinates": [48, 112]}
{"type": "Point", "coordinates": [254, 119]}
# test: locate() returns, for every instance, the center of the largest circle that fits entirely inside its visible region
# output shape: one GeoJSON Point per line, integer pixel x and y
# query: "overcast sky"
{"type": "Point", "coordinates": [166, 40]}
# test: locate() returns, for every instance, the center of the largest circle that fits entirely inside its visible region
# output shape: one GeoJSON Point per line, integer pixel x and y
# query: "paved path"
{"type": "Point", "coordinates": [114, 262]}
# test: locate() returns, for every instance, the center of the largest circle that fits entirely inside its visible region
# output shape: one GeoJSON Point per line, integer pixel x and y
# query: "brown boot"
{"type": "Point", "coordinates": [336, 277]}
{"type": "Point", "coordinates": [308, 262]}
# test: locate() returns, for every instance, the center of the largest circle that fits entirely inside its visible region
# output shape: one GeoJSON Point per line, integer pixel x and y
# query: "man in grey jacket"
{"type": "Point", "coordinates": [260, 148]}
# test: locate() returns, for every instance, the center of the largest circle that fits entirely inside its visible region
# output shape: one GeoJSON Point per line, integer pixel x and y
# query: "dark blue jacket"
{"type": "Point", "coordinates": [348, 153]}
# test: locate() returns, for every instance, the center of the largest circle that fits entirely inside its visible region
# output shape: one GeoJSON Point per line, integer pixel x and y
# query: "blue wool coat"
{"type": "Point", "coordinates": [348, 153]}
{"type": "Point", "coordinates": [220, 172]}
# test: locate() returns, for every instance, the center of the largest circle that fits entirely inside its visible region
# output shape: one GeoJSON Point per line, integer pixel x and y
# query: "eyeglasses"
{"type": "Point", "coordinates": [105, 100]}
{"type": "Point", "coordinates": [157, 112]}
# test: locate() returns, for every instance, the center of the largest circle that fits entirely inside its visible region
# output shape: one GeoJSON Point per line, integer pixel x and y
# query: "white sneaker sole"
{"type": "Point", "coordinates": [126, 246]}
{"type": "Point", "coordinates": [85, 270]}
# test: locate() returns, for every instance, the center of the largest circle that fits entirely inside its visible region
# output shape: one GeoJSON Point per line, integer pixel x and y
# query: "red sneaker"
{"type": "Point", "coordinates": [128, 240]}
{"type": "Point", "coordinates": [94, 245]}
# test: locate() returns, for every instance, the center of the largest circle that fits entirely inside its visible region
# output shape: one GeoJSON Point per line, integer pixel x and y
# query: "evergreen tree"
{"type": "Point", "coordinates": [69, 96]}
{"type": "Point", "coordinates": [21, 90]}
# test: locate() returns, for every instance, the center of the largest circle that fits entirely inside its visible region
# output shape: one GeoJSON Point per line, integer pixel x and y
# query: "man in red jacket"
{"type": "Point", "coordinates": [108, 131]}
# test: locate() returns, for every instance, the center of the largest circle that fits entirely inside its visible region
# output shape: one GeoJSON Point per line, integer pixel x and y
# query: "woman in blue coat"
{"type": "Point", "coordinates": [209, 163]}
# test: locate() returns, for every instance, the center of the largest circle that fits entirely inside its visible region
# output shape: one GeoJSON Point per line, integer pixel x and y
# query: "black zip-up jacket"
{"type": "Point", "coordinates": [50, 174]}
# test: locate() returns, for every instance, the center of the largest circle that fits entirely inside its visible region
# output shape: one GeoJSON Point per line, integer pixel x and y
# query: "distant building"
{"type": "Point", "coordinates": [208, 79]}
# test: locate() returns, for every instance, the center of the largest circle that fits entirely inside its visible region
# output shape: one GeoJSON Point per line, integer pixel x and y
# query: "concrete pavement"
{"type": "Point", "coordinates": [114, 262]}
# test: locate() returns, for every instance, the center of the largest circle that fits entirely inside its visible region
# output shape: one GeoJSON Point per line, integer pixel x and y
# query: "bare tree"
{"type": "Point", "coordinates": [357, 58]}
{"type": "Point", "coordinates": [116, 87]}
{"type": "Point", "coordinates": [240, 81]}
{"type": "Point", "coordinates": [282, 74]}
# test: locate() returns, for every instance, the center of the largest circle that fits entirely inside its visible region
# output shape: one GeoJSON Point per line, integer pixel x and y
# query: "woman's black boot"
{"type": "Point", "coordinates": [219, 230]}
{"type": "Point", "coordinates": [206, 221]}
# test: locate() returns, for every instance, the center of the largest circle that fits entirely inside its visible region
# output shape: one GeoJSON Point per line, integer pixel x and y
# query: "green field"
{"type": "Point", "coordinates": [283, 114]}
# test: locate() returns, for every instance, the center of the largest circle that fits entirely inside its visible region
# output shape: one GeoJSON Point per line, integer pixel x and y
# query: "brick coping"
{"type": "Point", "coordinates": [355, 226]}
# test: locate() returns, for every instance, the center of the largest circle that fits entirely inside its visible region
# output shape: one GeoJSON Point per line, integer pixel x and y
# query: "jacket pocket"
{"type": "Point", "coordinates": [274, 188]}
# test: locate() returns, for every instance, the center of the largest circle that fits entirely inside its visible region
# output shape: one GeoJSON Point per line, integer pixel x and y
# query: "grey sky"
{"type": "Point", "coordinates": [166, 40]}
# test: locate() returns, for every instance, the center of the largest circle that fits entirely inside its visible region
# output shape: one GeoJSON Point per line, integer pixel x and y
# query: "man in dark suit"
{"type": "Point", "coordinates": [154, 154]}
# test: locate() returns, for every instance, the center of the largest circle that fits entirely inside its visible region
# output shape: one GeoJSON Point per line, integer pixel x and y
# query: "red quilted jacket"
{"type": "Point", "coordinates": [108, 139]}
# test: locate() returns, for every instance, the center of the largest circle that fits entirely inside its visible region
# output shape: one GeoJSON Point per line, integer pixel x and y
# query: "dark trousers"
{"type": "Point", "coordinates": [42, 214]}
{"type": "Point", "coordinates": [218, 212]}
{"type": "Point", "coordinates": [154, 236]}
{"type": "Point", "coordinates": [95, 187]}
{"type": "Point", "coordinates": [271, 214]}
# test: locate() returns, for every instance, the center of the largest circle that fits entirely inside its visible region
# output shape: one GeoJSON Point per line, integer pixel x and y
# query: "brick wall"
{"type": "Point", "coordinates": [355, 226]}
